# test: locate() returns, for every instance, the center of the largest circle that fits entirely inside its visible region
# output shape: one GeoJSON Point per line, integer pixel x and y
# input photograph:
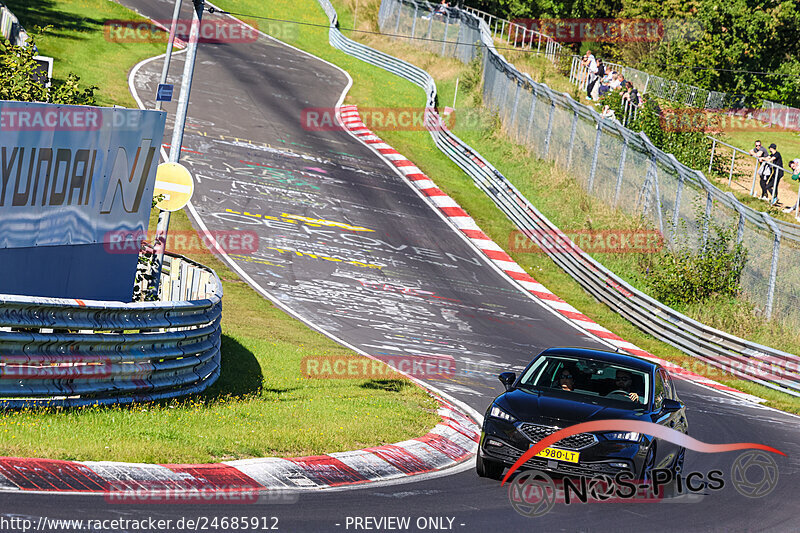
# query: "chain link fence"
{"type": "Point", "coordinates": [614, 164]}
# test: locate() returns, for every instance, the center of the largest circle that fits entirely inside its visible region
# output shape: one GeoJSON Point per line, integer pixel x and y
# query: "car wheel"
{"type": "Point", "coordinates": [678, 466]}
{"type": "Point", "coordinates": [646, 475]}
{"type": "Point", "coordinates": [488, 468]}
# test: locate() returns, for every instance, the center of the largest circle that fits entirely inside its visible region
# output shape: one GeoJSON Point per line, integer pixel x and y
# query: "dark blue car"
{"type": "Point", "coordinates": [565, 386]}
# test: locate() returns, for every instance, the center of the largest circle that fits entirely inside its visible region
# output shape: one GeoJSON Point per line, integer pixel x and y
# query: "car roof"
{"type": "Point", "coordinates": [622, 359]}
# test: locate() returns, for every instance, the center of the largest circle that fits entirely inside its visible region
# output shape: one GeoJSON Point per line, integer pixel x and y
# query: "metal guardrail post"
{"type": "Point", "coordinates": [595, 156]}
{"type": "Point", "coordinates": [549, 128]}
{"type": "Point", "coordinates": [572, 131]}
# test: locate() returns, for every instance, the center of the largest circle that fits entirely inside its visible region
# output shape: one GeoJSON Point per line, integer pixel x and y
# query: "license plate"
{"type": "Point", "coordinates": [560, 455]}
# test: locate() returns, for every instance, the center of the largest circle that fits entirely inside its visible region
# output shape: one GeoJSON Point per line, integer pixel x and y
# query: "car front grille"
{"type": "Point", "coordinates": [536, 433]}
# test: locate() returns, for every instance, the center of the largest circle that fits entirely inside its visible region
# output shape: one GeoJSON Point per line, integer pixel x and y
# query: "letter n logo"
{"type": "Point", "coordinates": [123, 178]}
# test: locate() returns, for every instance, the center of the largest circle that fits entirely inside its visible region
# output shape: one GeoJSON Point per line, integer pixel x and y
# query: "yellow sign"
{"type": "Point", "coordinates": [175, 183]}
{"type": "Point", "coordinates": [560, 455]}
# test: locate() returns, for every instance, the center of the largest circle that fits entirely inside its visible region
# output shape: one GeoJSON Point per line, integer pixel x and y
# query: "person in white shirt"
{"type": "Point", "coordinates": [591, 64]}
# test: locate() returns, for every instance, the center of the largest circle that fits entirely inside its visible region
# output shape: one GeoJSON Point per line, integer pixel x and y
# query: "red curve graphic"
{"type": "Point", "coordinates": [647, 428]}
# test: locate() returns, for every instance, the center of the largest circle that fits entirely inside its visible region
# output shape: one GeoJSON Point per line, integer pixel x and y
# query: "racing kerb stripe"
{"type": "Point", "coordinates": [494, 253]}
{"type": "Point", "coordinates": [451, 441]}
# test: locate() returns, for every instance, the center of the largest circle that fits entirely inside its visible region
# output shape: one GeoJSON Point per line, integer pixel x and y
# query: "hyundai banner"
{"type": "Point", "coordinates": [72, 178]}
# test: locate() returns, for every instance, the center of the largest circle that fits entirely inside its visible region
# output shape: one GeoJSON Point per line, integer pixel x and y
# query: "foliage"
{"type": "Point", "coordinates": [18, 80]}
{"type": "Point", "coordinates": [684, 275]}
{"type": "Point", "coordinates": [721, 46]}
{"type": "Point", "coordinates": [471, 80]}
{"type": "Point", "coordinates": [689, 147]}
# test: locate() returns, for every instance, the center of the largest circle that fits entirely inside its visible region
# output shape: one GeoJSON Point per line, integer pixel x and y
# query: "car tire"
{"type": "Point", "coordinates": [648, 464]}
{"type": "Point", "coordinates": [488, 468]}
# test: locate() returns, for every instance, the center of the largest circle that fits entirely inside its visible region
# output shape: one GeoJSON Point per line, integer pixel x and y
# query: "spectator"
{"type": "Point", "coordinates": [616, 81]}
{"type": "Point", "coordinates": [758, 150]}
{"type": "Point", "coordinates": [772, 175]}
{"type": "Point", "coordinates": [605, 83]}
{"type": "Point", "coordinates": [591, 65]}
{"type": "Point", "coordinates": [608, 113]}
{"type": "Point", "coordinates": [631, 94]}
{"type": "Point", "coordinates": [794, 164]}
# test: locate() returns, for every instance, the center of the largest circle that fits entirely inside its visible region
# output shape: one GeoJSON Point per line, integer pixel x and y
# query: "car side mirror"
{"type": "Point", "coordinates": [670, 406]}
{"type": "Point", "coordinates": [507, 379]}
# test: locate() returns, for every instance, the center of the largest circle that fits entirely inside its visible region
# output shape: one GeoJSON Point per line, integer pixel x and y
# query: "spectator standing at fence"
{"type": "Point", "coordinates": [771, 174]}
{"type": "Point", "coordinates": [758, 151]}
{"type": "Point", "coordinates": [591, 66]}
{"type": "Point", "coordinates": [631, 94]}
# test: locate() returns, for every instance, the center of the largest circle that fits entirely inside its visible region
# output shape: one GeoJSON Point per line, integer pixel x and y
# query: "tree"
{"type": "Point", "coordinates": [18, 80]}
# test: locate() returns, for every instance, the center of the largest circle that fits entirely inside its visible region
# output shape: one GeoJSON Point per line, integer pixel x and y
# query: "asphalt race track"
{"type": "Point", "coordinates": [346, 244]}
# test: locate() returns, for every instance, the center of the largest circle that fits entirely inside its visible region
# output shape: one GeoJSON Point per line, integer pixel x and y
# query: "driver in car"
{"type": "Point", "coordinates": [623, 382]}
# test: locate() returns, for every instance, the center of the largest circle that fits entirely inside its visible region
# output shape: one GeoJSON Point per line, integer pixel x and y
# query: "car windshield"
{"type": "Point", "coordinates": [589, 380]}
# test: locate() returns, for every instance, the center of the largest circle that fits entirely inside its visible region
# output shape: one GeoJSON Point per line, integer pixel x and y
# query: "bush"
{"type": "Point", "coordinates": [685, 276]}
{"type": "Point", "coordinates": [18, 75]}
{"type": "Point", "coordinates": [689, 147]}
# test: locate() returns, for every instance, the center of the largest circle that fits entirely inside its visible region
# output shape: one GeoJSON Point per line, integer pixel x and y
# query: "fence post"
{"type": "Point", "coordinates": [620, 170]}
{"type": "Point", "coordinates": [414, 23]}
{"type": "Point", "coordinates": [730, 173]}
{"type": "Point", "coordinates": [549, 128]}
{"type": "Point", "coordinates": [508, 40]}
{"type": "Point", "coordinates": [503, 29]}
{"type": "Point", "coordinates": [773, 272]}
{"type": "Point", "coordinates": [430, 28]}
{"type": "Point", "coordinates": [514, 110]}
{"type": "Point", "coordinates": [539, 45]}
{"type": "Point", "coordinates": [711, 161]}
{"type": "Point", "coordinates": [707, 216]}
{"type": "Point", "coordinates": [399, 13]}
{"type": "Point", "coordinates": [446, 26]}
{"type": "Point", "coordinates": [595, 156]}
{"type": "Point", "coordinates": [516, 34]}
{"type": "Point", "coordinates": [572, 137]}
{"type": "Point", "coordinates": [755, 177]}
{"type": "Point", "coordinates": [530, 117]}
{"type": "Point", "coordinates": [676, 213]}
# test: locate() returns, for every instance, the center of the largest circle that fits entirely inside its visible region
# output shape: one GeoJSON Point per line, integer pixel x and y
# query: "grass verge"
{"type": "Point", "coordinates": [571, 207]}
{"type": "Point", "coordinates": [261, 405]}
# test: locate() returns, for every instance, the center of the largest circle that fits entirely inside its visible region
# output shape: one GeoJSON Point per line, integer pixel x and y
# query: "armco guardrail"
{"type": "Point", "coordinates": [767, 366]}
{"type": "Point", "coordinates": [67, 352]}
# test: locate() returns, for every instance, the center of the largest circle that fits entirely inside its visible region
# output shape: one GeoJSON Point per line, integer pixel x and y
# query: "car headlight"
{"type": "Point", "coordinates": [623, 435]}
{"type": "Point", "coordinates": [499, 413]}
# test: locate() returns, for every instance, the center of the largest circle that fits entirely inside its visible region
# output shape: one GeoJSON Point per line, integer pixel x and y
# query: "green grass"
{"type": "Point", "coordinates": [78, 43]}
{"type": "Point", "coordinates": [261, 405]}
{"type": "Point", "coordinates": [535, 178]}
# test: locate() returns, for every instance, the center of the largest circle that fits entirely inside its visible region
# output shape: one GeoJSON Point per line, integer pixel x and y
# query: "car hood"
{"type": "Point", "coordinates": [558, 408]}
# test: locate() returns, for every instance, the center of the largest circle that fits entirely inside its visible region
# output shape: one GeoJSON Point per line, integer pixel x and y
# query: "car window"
{"type": "Point", "coordinates": [659, 392]}
{"type": "Point", "coordinates": [592, 379]}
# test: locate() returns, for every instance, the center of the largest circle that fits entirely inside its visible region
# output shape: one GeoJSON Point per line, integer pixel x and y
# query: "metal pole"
{"type": "Point", "coordinates": [455, 94]}
{"type": "Point", "coordinates": [707, 217]}
{"type": "Point", "coordinates": [170, 43]}
{"type": "Point", "coordinates": [446, 25]}
{"type": "Point", "coordinates": [177, 132]}
{"type": "Point", "coordinates": [572, 137]}
{"type": "Point", "coordinates": [530, 116]}
{"type": "Point", "coordinates": [620, 171]}
{"type": "Point", "coordinates": [514, 109]}
{"type": "Point", "coordinates": [676, 212]}
{"type": "Point", "coordinates": [711, 161]}
{"type": "Point", "coordinates": [730, 174]}
{"type": "Point", "coordinates": [595, 156]}
{"type": "Point", "coordinates": [549, 128]}
{"type": "Point", "coordinates": [755, 177]}
{"type": "Point", "coordinates": [773, 272]}
{"type": "Point", "coordinates": [414, 23]}
{"type": "Point", "coordinates": [399, 13]}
